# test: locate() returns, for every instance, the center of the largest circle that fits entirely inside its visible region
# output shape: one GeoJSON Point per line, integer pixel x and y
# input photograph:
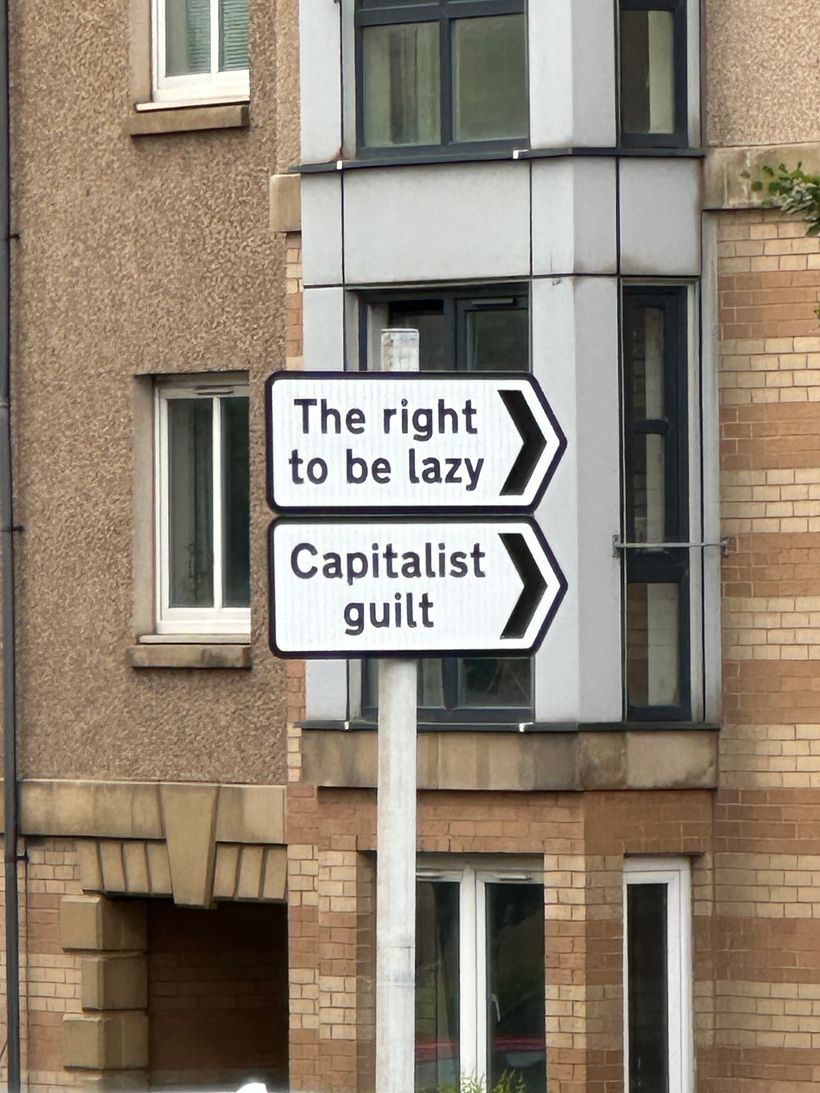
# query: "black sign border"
{"type": "Point", "coordinates": [409, 377]}
{"type": "Point", "coordinates": [360, 654]}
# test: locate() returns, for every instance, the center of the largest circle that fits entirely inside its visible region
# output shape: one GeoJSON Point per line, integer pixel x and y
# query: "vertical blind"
{"type": "Point", "coordinates": [233, 38]}
{"type": "Point", "coordinates": [188, 47]}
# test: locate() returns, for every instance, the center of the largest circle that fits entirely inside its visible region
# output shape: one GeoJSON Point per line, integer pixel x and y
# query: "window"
{"type": "Point", "coordinates": [473, 330]}
{"type": "Point", "coordinates": [480, 1007]}
{"type": "Point", "coordinates": [656, 454]}
{"type": "Point", "coordinates": [657, 976]}
{"type": "Point", "coordinates": [439, 73]}
{"type": "Point", "coordinates": [200, 49]}
{"type": "Point", "coordinates": [203, 513]}
{"type": "Point", "coordinates": [653, 72]}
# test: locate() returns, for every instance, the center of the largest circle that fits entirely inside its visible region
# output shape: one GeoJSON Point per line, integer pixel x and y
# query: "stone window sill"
{"type": "Point", "coordinates": [153, 119]}
{"type": "Point", "coordinates": [190, 653]}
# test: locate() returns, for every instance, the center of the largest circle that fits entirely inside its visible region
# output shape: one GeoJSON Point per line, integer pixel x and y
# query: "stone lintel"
{"type": "Point", "coordinates": [525, 762]}
{"type": "Point", "coordinates": [725, 186]}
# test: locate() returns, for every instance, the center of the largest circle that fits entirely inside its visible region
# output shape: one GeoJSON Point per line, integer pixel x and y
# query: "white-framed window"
{"type": "Point", "coordinates": [200, 50]}
{"type": "Point", "coordinates": [480, 995]}
{"type": "Point", "coordinates": [657, 976]}
{"type": "Point", "coordinates": [203, 507]}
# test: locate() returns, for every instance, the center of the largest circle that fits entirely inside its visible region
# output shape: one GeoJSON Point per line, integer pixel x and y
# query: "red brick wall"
{"type": "Point", "coordinates": [217, 985]}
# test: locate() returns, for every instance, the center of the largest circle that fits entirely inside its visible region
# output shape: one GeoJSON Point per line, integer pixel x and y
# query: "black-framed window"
{"type": "Point", "coordinates": [470, 329]}
{"type": "Point", "coordinates": [656, 494]}
{"type": "Point", "coordinates": [435, 74]}
{"type": "Point", "coordinates": [652, 63]}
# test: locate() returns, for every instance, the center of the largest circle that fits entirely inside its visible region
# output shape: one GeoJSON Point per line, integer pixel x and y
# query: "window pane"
{"type": "Point", "coordinates": [652, 644]}
{"type": "Point", "coordinates": [498, 340]}
{"type": "Point", "coordinates": [233, 42]}
{"type": "Point", "coordinates": [190, 502]}
{"type": "Point", "coordinates": [235, 503]}
{"type": "Point", "coordinates": [496, 681]}
{"type": "Point", "coordinates": [437, 987]}
{"type": "Point", "coordinates": [647, 989]}
{"type": "Point", "coordinates": [401, 84]}
{"type": "Point", "coordinates": [647, 488]}
{"type": "Point", "coordinates": [516, 1039]}
{"type": "Point", "coordinates": [489, 78]}
{"type": "Point", "coordinates": [648, 72]}
{"type": "Point", "coordinates": [436, 345]}
{"type": "Point", "coordinates": [187, 37]}
{"type": "Point", "coordinates": [645, 365]}
{"type": "Point", "coordinates": [430, 691]}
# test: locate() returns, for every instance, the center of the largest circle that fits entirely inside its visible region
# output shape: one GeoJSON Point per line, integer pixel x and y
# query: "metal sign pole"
{"type": "Point", "coordinates": [396, 832]}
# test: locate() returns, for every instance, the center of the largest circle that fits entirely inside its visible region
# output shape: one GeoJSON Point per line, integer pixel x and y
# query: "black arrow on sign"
{"type": "Point", "coordinates": [534, 584]}
{"type": "Point", "coordinates": [533, 445]}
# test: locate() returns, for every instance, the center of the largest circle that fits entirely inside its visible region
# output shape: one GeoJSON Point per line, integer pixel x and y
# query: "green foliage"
{"type": "Point", "coordinates": [507, 1083]}
{"type": "Point", "coordinates": [793, 192]}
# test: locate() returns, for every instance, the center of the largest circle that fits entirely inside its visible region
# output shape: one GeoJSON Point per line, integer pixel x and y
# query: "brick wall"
{"type": "Point", "coordinates": [766, 936]}
{"type": "Point", "coordinates": [49, 977]}
{"type": "Point", "coordinates": [331, 872]}
{"type": "Point", "coordinates": [217, 995]}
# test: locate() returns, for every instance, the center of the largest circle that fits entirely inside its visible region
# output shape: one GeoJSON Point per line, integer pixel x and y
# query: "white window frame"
{"type": "Point", "coordinates": [472, 879]}
{"type": "Point", "coordinates": [675, 873]}
{"type": "Point", "coordinates": [193, 621]}
{"type": "Point", "coordinates": [213, 86]}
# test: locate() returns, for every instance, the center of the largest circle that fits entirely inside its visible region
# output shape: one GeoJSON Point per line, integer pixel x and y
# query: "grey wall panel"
{"type": "Point", "coordinates": [573, 216]}
{"type": "Point", "coordinates": [599, 497]}
{"type": "Point", "coordinates": [595, 216]}
{"type": "Point", "coordinates": [324, 329]}
{"type": "Point", "coordinates": [593, 73]}
{"type": "Point", "coordinates": [578, 670]}
{"type": "Point", "coordinates": [436, 223]}
{"type": "Point", "coordinates": [320, 81]}
{"type": "Point", "coordinates": [550, 63]}
{"type": "Point", "coordinates": [553, 205]}
{"type": "Point", "coordinates": [660, 217]}
{"type": "Point", "coordinates": [326, 689]}
{"type": "Point", "coordinates": [322, 229]}
{"type": "Point", "coordinates": [553, 360]}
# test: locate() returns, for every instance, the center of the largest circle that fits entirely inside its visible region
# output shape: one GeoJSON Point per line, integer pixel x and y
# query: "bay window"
{"type": "Point", "coordinates": [656, 487]}
{"type": "Point", "coordinates": [441, 73]}
{"type": "Point", "coordinates": [652, 49]}
{"type": "Point", "coordinates": [477, 329]}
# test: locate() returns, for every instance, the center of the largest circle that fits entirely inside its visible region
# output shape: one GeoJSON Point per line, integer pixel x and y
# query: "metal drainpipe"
{"type": "Point", "coordinates": [7, 529]}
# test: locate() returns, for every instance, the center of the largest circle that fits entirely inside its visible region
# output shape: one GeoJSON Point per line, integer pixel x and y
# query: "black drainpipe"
{"type": "Point", "coordinates": [7, 530]}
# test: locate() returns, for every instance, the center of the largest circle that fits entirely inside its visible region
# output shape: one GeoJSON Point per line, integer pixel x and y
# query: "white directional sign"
{"type": "Point", "coordinates": [349, 587]}
{"type": "Point", "coordinates": [408, 441]}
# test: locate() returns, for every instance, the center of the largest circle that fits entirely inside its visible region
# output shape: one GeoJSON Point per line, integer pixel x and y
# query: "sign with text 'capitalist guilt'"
{"type": "Point", "coordinates": [408, 442]}
{"type": "Point", "coordinates": [393, 587]}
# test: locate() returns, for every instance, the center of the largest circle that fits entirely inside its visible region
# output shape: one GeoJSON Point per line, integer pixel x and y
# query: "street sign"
{"type": "Point", "coordinates": [408, 442]}
{"type": "Point", "coordinates": [404, 587]}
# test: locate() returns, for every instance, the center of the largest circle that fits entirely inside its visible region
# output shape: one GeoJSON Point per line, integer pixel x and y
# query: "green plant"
{"type": "Point", "coordinates": [507, 1083]}
{"type": "Point", "coordinates": [792, 191]}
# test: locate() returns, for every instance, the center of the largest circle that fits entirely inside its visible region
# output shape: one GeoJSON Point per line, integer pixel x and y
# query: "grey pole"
{"type": "Point", "coordinates": [396, 832]}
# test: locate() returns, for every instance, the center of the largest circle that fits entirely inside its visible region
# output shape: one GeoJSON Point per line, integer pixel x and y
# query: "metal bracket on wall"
{"type": "Point", "coordinates": [618, 546]}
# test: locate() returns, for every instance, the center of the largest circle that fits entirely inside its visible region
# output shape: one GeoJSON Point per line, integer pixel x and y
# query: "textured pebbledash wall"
{"type": "Point", "coordinates": [762, 72]}
{"type": "Point", "coordinates": [136, 256]}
